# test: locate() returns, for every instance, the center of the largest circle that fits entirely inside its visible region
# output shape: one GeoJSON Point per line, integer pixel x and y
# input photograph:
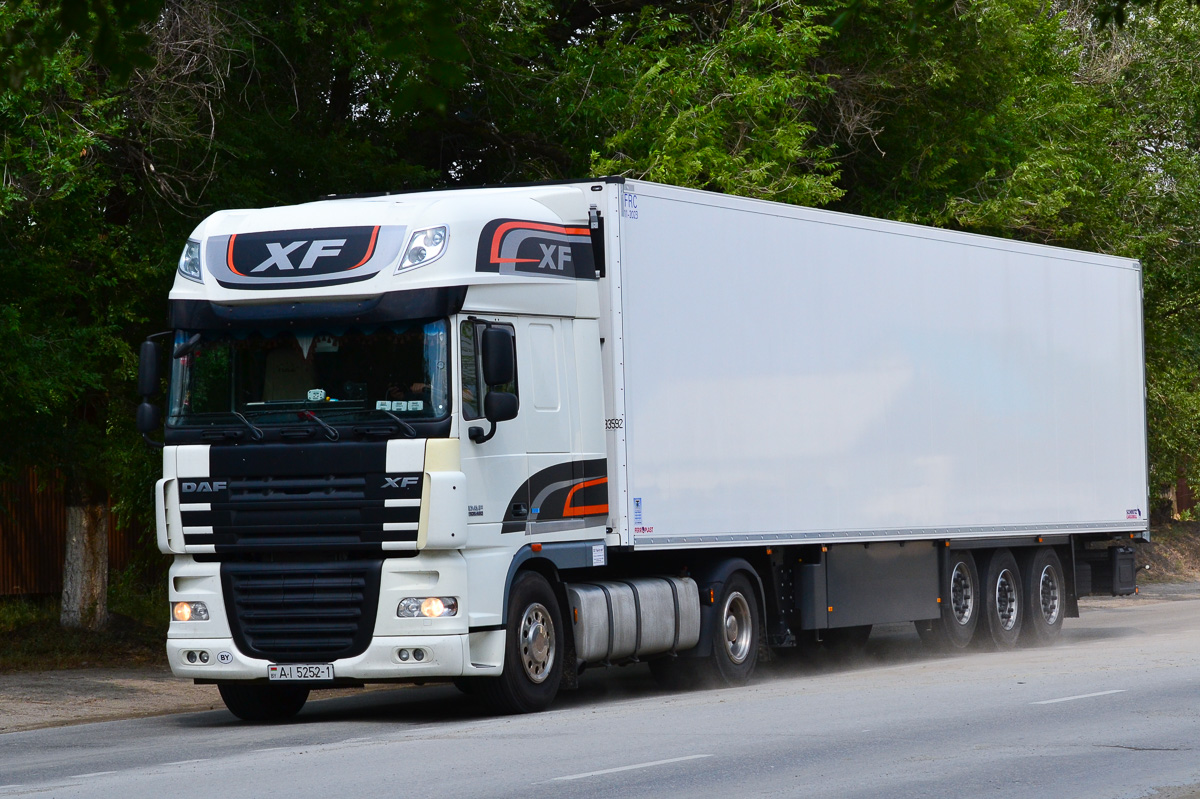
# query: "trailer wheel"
{"type": "Point", "coordinates": [1003, 602]}
{"type": "Point", "coordinates": [254, 701]}
{"type": "Point", "coordinates": [735, 632]}
{"type": "Point", "coordinates": [960, 606]}
{"type": "Point", "coordinates": [1045, 597]}
{"type": "Point", "coordinates": [532, 652]}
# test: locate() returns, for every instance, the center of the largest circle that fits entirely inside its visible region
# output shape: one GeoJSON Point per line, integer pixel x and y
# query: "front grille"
{"type": "Point", "coordinates": [302, 612]}
{"type": "Point", "coordinates": [346, 513]}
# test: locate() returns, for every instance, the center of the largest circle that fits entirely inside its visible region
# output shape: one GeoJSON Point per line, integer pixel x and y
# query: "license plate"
{"type": "Point", "coordinates": [300, 671]}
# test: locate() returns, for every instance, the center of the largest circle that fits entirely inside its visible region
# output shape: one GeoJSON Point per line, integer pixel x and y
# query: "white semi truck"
{"type": "Point", "coordinates": [498, 435]}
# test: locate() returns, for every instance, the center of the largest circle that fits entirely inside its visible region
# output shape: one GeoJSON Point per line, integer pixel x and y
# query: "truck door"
{"type": "Point", "coordinates": [497, 470]}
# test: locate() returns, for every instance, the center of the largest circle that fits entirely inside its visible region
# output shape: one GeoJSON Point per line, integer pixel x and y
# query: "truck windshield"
{"type": "Point", "coordinates": [341, 374]}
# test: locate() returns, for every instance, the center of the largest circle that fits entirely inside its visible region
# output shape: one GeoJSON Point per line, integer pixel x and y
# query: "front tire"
{"type": "Point", "coordinates": [1003, 602]}
{"type": "Point", "coordinates": [533, 650]}
{"type": "Point", "coordinates": [1045, 597]}
{"type": "Point", "coordinates": [254, 701]}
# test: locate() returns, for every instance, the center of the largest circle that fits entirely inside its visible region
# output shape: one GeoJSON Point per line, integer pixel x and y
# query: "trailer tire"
{"type": "Point", "coordinates": [533, 650]}
{"type": "Point", "coordinates": [1045, 598]}
{"type": "Point", "coordinates": [255, 701]}
{"type": "Point", "coordinates": [1003, 602]}
{"type": "Point", "coordinates": [961, 602]}
{"type": "Point", "coordinates": [735, 632]}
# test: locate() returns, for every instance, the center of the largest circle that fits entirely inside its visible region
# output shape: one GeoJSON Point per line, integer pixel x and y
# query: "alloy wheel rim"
{"type": "Point", "coordinates": [738, 625]}
{"type": "Point", "coordinates": [1048, 595]}
{"type": "Point", "coordinates": [962, 594]}
{"type": "Point", "coordinates": [1006, 599]}
{"type": "Point", "coordinates": [537, 642]}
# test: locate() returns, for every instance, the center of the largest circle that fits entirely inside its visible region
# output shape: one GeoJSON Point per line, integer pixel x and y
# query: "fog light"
{"type": "Point", "coordinates": [403, 655]}
{"type": "Point", "coordinates": [418, 654]}
{"type": "Point", "coordinates": [203, 657]}
{"type": "Point", "coordinates": [191, 657]}
{"type": "Point", "coordinates": [190, 611]}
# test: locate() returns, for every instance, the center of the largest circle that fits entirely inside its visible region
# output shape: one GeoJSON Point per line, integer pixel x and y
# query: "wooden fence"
{"type": "Point", "coordinates": [33, 534]}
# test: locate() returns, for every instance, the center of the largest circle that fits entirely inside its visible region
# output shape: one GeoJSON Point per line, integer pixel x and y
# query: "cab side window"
{"type": "Point", "coordinates": [473, 387]}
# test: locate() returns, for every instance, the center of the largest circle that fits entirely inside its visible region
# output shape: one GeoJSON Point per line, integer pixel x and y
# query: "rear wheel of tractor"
{"type": "Point", "coordinates": [1044, 595]}
{"type": "Point", "coordinates": [735, 633]}
{"type": "Point", "coordinates": [1003, 602]}
{"type": "Point", "coordinates": [262, 701]}
{"type": "Point", "coordinates": [533, 650]}
{"type": "Point", "coordinates": [961, 606]}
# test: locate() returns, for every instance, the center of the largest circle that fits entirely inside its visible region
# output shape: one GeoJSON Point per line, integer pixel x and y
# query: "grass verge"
{"type": "Point", "coordinates": [31, 638]}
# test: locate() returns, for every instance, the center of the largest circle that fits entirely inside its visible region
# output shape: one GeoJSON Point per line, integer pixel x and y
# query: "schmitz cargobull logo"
{"type": "Point", "coordinates": [308, 257]}
{"type": "Point", "coordinates": [512, 246]}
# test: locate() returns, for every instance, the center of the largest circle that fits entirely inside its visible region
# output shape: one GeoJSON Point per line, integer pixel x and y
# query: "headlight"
{"type": "Point", "coordinates": [190, 611]}
{"type": "Point", "coordinates": [424, 246]}
{"type": "Point", "coordinates": [189, 262]}
{"type": "Point", "coordinates": [431, 607]}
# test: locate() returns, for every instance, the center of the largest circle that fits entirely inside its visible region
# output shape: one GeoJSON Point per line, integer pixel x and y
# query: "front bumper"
{"type": "Point", "coordinates": [441, 656]}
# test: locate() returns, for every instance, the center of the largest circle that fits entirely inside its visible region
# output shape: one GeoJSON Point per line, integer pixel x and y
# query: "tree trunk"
{"type": "Point", "coordinates": [85, 572]}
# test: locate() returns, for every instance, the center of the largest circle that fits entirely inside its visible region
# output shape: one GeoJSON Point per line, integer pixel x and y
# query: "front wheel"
{"type": "Point", "coordinates": [254, 701]}
{"type": "Point", "coordinates": [533, 650]}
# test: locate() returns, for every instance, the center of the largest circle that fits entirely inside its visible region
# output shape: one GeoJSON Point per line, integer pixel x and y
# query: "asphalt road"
{"type": "Point", "coordinates": [1112, 711]}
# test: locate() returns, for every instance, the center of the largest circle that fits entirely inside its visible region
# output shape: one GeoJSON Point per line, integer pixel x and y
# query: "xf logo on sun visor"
{"type": "Point", "coordinates": [512, 246]}
{"type": "Point", "coordinates": [311, 257]}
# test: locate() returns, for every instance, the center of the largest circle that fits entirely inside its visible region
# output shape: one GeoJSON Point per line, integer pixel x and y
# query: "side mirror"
{"type": "Point", "coordinates": [148, 358]}
{"type": "Point", "coordinates": [149, 418]}
{"type": "Point", "coordinates": [149, 415]}
{"type": "Point", "coordinates": [499, 366]}
{"type": "Point", "coordinates": [499, 406]}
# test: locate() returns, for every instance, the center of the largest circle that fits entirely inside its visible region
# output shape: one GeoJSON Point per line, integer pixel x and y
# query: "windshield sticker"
{"type": "Point", "coordinates": [400, 405]}
{"type": "Point", "coordinates": [310, 257]}
{"type": "Point", "coordinates": [514, 247]}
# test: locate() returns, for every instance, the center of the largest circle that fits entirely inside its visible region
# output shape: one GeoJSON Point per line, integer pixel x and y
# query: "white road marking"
{"type": "Point", "coordinates": [185, 762]}
{"type": "Point", "coordinates": [93, 774]}
{"type": "Point", "coordinates": [1081, 696]}
{"type": "Point", "coordinates": [14, 785]}
{"type": "Point", "coordinates": [629, 768]}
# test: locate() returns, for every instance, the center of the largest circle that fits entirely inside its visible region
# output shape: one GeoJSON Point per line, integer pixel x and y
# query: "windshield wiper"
{"type": "Point", "coordinates": [330, 431]}
{"type": "Point", "coordinates": [408, 429]}
{"type": "Point", "coordinates": [256, 433]}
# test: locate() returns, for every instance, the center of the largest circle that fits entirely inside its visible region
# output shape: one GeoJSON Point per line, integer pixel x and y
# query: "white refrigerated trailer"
{"type": "Point", "coordinates": [499, 435]}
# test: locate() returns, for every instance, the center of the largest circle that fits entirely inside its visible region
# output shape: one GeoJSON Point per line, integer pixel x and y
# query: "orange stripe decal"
{"type": "Point", "coordinates": [229, 256]}
{"type": "Point", "coordinates": [370, 249]}
{"type": "Point", "coordinates": [507, 226]}
{"type": "Point", "coordinates": [584, 510]}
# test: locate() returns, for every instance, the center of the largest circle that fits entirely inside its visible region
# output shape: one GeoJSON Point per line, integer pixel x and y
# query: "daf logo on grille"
{"type": "Point", "coordinates": [398, 482]}
{"type": "Point", "coordinates": [203, 487]}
